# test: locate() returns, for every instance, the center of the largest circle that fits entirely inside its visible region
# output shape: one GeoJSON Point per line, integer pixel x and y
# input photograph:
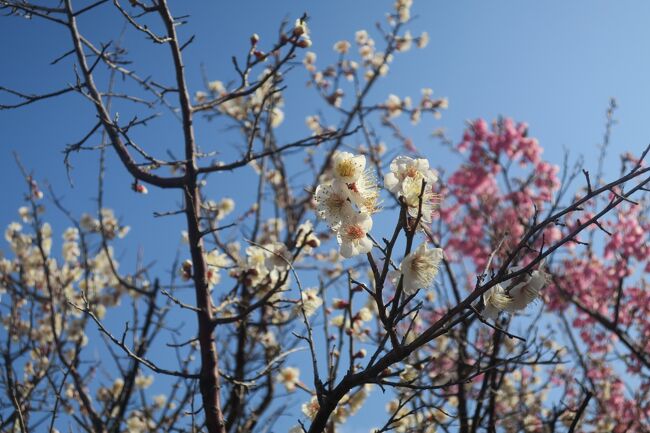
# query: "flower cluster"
{"type": "Point", "coordinates": [245, 108]}
{"type": "Point", "coordinates": [412, 181]}
{"type": "Point", "coordinates": [347, 201]}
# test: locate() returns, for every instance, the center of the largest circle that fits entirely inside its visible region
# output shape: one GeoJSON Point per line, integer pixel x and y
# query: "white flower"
{"type": "Point", "coordinates": [342, 47]}
{"type": "Point", "coordinates": [352, 235]}
{"type": "Point", "coordinates": [289, 377]}
{"type": "Point", "coordinates": [225, 206]}
{"type": "Point", "coordinates": [338, 321]}
{"type": "Point", "coordinates": [160, 400]}
{"type": "Point", "coordinates": [332, 203]}
{"type": "Point", "coordinates": [404, 43]}
{"type": "Point", "coordinates": [412, 191]}
{"type": "Point", "coordinates": [495, 300]}
{"type": "Point", "coordinates": [309, 60]}
{"type": "Point", "coordinates": [364, 192]}
{"type": "Point", "coordinates": [143, 382]}
{"type": "Point", "coordinates": [12, 230]}
{"type": "Point", "coordinates": [361, 37]}
{"type": "Point", "coordinates": [423, 40]}
{"type": "Point", "coordinates": [313, 123]}
{"type": "Point", "coordinates": [347, 167]}
{"type": "Point", "coordinates": [420, 267]}
{"type": "Point", "coordinates": [310, 301]}
{"type": "Point", "coordinates": [25, 214]}
{"type": "Point", "coordinates": [403, 168]}
{"type": "Point", "coordinates": [311, 408]}
{"type": "Point", "coordinates": [409, 374]}
{"type": "Point", "coordinates": [525, 292]}
{"type": "Point", "coordinates": [358, 398]}
{"type": "Point", "coordinates": [364, 314]}
{"type": "Point", "coordinates": [216, 259]}
{"type": "Point", "coordinates": [268, 339]}
{"type": "Point", "coordinates": [307, 238]}
{"type": "Point", "coordinates": [277, 117]}
{"type": "Point", "coordinates": [278, 256]}
{"type": "Point", "coordinates": [405, 180]}
{"type": "Point", "coordinates": [403, 8]}
{"type": "Point", "coordinates": [255, 266]}
{"type": "Point", "coordinates": [394, 105]}
{"type": "Point", "coordinates": [135, 424]}
{"type": "Point", "coordinates": [216, 86]}
{"type": "Point", "coordinates": [300, 28]}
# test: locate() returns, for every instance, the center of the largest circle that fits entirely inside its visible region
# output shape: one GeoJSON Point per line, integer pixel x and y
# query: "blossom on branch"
{"type": "Point", "coordinates": [289, 377]}
{"type": "Point", "coordinates": [419, 268]}
{"type": "Point", "coordinates": [353, 235]}
{"type": "Point", "coordinates": [525, 292]}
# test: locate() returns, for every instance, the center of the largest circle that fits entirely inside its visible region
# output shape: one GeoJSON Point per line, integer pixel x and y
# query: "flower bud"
{"type": "Point", "coordinates": [139, 188]}
{"type": "Point", "coordinates": [304, 43]}
{"type": "Point", "coordinates": [360, 354]}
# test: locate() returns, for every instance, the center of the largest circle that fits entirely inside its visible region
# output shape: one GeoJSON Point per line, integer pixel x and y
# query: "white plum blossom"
{"type": "Point", "coordinates": [347, 201]}
{"type": "Point", "coordinates": [361, 37]}
{"type": "Point", "coordinates": [413, 194]}
{"type": "Point", "coordinates": [143, 382]}
{"type": "Point", "coordinates": [307, 238]}
{"type": "Point", "coordinates": [289, 377]}
{"type": "Point", "coordinates": [216, 261]}
{"type": "Point", "coordinates": [256, 258]}
{"type": "Point", "coordinates": [277, 256]}
{"type": "Point", "coordinates": [313, 123]}
{"type": "Point", "coordinates": [420, 267]}
{"type": "Point", "coordinates": [25, 214]}
{"type": "Point", "coordinates": [393, 105]}
{"type": "Point", "coordinates": [495, 300]}
{"type": "Point", "coordinates": [333, 204]}
{"type": "Point", "coordinates": [347, 167]}
{"type": "Point", "coordinates": [277, 117]}
{"type": "Point", "coordinates": [403, 9]}
{"type": "Point", "coordinates": [310, 301]}
{"type": "Point", "coordinates": [160, 400]}
{"type": "Point", "coordinates": [310, 409]}
{"type": "Point", "coordinates": [423, 40]}
{"type": "Point", "coordinates": [409, 374]}
{"type": "Point", "coordinates": [353, 235]}
{"type": "Point", "coordinates": [364, 193]}
{"type": "Point", "coordinates": [405, 180]}
{"type": "Point", "coordinates": [404, 167]}
{"type": "Point", "coordinates": [342, 47]}
{"type": "Point", "coordinates": [516, 298]}
{"type": "Point", "coordinates": [525, 292]}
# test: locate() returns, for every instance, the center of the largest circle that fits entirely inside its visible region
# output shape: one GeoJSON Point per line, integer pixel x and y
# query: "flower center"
{"type": "Point", "coordinates": [335, 201]}
{"type": "Point", "coordinates": [418, 264]}
{"type": "Point", "coordinates": [355, 232]}
{"type": "Point", "coordinates": [345, 168]}
{"type": "Point", "coordinates": [411, 172]}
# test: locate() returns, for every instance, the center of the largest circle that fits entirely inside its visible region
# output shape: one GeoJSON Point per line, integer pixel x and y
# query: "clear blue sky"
{"type": "Point", "coordinates": [553, 64]}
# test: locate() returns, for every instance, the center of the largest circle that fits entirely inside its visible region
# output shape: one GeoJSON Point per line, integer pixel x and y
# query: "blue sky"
{"type": "Point", "coordinates": [553, 64]}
